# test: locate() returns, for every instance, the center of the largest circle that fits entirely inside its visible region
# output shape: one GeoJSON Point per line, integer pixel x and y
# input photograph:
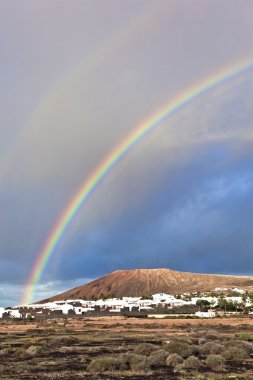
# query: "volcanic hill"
{"type": "Point", "coordinates": [139, 282]}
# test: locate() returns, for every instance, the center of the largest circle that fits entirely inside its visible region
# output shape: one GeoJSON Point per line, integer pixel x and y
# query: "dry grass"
{"type": "Point", "coordinates": [130, 348]}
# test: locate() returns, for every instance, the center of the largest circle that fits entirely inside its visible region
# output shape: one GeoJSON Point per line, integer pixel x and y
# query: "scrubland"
{"type": "Point", "coordinates": [121, 348]}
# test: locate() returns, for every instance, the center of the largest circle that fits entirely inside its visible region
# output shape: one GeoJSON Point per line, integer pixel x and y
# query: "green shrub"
{"type": "Point", "coordinates": [192, 363]}
{"type": "Point", "coordinates": [180, 348]}
{"type": "Point", "coordinates": [61, 341]}
{"type": "Point", "coordinates": [211, 336]}
{"type": "Point", "coordinates": [25, 353]}
{"type": "Point", "coordinates": [243, 336]}
{"type": "Point", "coordinates": [247, 346]}
{"type": "Point", "coordinates": [106, 364]}
{"type": "Point", "coordinates": [21, 354]}
{"type": "Point", "coordinates": [212, 348]}
{"type": "Point", "coordinates": [139, 363]}
{"type": "Point", "coordinates": [173, 360]}
{"type": "Point", "coordinates": [158, 357]}
{"type": "Point", "coordinates": [144, 349]}
{"type": "Point", "coordinates": [69, 340]}
{"type": "Point", "coordinates": [215, 362]}
{"type": "Point", "coordinates": [126, 357]}
{"type": "Point", "coordinates": [235, 353]}
{"type": "Point", "coordinates": [195, 350]}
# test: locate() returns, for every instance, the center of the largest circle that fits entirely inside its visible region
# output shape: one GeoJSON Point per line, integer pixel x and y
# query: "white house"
{"type": "Point", "coordinates": [2, 310]}
{"type": "Point", "coordinates": [81, 310]}
{"type": "Point", "coordinates": [205, 314]}
{"type": "Point", "coordinates": [145, 304]}
{"type": "Point", "coordinates": [65, 308]}
{"type": "Point", "coordinates": [13, 313]}
{"type": "Point", "coordinates": [238, 290]}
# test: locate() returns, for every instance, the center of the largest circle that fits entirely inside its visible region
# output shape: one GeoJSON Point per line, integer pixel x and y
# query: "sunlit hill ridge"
{"type": "Point", "coordinates": [139, 282]}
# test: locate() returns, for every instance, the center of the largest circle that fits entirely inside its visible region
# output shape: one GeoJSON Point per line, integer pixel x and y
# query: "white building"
{"type": "Point", "coordinates": [13, 313]}
{"type": "Point", "coordinates": [238, 290]}
{"type": "Point", "coordinates": [2, 310]}
{"type": "Point", "coordinates": [205, 314]}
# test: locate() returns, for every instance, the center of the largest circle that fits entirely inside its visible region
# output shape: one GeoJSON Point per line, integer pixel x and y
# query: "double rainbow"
{"type": "Point", "coordinates": [113, 158]}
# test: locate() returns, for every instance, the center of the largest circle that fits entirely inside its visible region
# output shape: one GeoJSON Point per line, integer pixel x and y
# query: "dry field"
{"type": "Point", "coordinates": [121, 348]}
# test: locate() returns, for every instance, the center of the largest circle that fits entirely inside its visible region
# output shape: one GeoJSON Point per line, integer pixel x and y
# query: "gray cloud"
{"type": "Point", "coordinates": [76, 80]}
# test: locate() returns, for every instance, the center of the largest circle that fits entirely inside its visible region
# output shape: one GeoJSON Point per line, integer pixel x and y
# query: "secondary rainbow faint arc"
{"type": "Point", "coordinates": [115, 156]}
{"type": "Point", "coordinates": [95, 59]}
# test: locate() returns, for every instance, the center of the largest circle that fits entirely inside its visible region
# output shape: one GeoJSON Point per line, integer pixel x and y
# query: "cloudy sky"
{"type": "Point", "coordinates": [77, 77]}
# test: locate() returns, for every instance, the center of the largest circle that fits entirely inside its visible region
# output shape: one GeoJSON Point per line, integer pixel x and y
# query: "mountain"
{"type": "Point", "coordinates": [139, 282]}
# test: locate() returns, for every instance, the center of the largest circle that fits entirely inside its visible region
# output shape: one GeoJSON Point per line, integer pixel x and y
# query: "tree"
{"type": "Point", "coordinates": [145, 297]}
{"type": "Point", "coordinates": [222, 303]}
{"type": "Point", "coordinates": [203, 304]}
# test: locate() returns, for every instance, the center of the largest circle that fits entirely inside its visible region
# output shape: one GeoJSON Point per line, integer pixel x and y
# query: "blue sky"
{"type": "Point", "coordinates": [76, 79]}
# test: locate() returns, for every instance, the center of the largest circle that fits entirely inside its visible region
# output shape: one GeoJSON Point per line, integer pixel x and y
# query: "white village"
{"type": "Point", "coordinates": [206, 305]}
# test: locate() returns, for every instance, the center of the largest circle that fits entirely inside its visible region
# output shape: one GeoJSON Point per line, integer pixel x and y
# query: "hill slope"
{"type": "Point", "coordinates": [140, 282]}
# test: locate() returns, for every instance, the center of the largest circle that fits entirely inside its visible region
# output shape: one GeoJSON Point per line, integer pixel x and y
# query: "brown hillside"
{"type": "Point", "coordinates": [140, 282]}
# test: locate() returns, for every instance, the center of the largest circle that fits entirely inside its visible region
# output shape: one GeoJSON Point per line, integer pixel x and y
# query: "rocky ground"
{"type": "Point", "coordinates": [121, 348]}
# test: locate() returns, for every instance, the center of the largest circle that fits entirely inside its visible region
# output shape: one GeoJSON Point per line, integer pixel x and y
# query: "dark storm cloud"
{"type": "Point", "coordinates": [198, 221]}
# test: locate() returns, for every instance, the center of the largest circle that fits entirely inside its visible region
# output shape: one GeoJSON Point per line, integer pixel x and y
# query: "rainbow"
{"type": "Point", "coordinates": [88, 66]}
{"type": "Point", "coordinates": [113, 158]}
